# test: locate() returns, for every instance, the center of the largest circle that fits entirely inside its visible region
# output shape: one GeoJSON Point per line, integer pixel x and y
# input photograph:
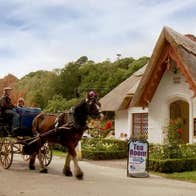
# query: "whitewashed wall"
{"type": "Point", "coordinates": [166, 93]}
{"type": "Point", "coordinates": [121, 122]}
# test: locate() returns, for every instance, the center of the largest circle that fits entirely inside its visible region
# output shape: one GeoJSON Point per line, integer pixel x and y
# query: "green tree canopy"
{"type": "Point", "coordinates": [62, 88]}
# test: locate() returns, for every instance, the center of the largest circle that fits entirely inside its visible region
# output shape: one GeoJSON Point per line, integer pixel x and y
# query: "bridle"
{"type": "Point", "coordinates": [94, 101]}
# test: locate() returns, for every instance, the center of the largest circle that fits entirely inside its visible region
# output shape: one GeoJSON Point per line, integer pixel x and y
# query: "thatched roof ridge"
{"type": "Point", "coordinates": [180, 40]}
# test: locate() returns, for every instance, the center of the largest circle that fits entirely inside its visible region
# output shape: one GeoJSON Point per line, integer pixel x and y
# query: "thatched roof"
{"type": "Point", "coordinates": [172, 45]}
{"type": "Point", "coordinates": [120, 97]}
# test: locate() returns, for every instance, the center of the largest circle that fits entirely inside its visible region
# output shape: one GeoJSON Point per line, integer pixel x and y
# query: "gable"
{"type": "Point", "coordinates": [172, 50]}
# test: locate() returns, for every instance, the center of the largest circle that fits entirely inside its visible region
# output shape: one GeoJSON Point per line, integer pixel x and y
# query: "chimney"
{"type": "Point", "coordinates": [192, 37]}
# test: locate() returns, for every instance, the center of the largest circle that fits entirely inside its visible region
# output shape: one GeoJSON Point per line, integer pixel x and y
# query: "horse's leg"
{"type": "Point", "coordinates": [77, 171]}
{"type": "Point", "coordinates": [32, 161]}
{"type": "Point", "coordinates": [42, 166]}
{"type": "Point", "coordinates": [66, 169]}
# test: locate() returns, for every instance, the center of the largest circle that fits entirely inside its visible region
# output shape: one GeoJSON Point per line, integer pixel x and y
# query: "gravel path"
{"type": "Point", "coordinates": [101, 178]}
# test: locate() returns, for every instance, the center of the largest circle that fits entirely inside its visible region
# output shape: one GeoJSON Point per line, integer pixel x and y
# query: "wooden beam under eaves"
{"type": "Point", "coordinates": [183, 69]}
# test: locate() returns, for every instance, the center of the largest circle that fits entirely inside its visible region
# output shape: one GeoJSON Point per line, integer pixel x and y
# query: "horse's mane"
{"type": "Point", "coordinates": [80, 113]}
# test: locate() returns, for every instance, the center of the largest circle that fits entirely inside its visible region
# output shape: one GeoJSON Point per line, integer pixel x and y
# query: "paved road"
{"type": "Point", "coordinates": [98, 181]}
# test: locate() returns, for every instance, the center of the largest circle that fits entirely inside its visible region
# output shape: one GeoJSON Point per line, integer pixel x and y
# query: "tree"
{"type": "Point", "coordinates": [124, 63]}
{"type": "Point", "coordinates": [68, 81]}
{"type": "Point", "coordinates": [59, 104]}
{"type": "Point", "coordinates": [38, 100]}
{"type": "Point", "coordinates": [137, 64]}
{"type": "Point", "coordinates": [82, 60]}
{"type": "Point", "coordinates": [40, 88]}
{"type": "Point", "coordinates": [56, 104]}
{"type": "Point", "coordinates": [34, 84]}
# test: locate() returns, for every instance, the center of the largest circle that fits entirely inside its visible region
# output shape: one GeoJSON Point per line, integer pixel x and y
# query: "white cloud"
{"type": "Point", "coordinates": [49, 33]}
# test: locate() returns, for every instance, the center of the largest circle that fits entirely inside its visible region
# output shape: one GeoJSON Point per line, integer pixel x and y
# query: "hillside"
{"type": "Point", "coordinates": [60, 89]}
{"type": "Point", "coordinates": [8, 80]}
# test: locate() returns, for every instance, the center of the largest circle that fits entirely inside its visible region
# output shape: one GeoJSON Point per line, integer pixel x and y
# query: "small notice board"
{"type": "Point", "coordinates": [137, 162]}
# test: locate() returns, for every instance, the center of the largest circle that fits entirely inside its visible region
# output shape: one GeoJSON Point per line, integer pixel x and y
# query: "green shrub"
{"type": "Point", "coordinates": [59, 147]}
{"type": "Point", "coordinates": [172, 152]}
{"type": "Point", "coordinates": [172, 165]}
{"type": "Point", "coordinates": [188, 150]}
{"type": "Point", "coordinates": [103, 155]}
{"type": "Point", "coordinates": [175, 132]}
{"type": "Point", "coordinates": [99, 149]}
{"type": "Point", "coordinates": [172, 158]}
{"type": "Point", "coordinates": [167, 151]}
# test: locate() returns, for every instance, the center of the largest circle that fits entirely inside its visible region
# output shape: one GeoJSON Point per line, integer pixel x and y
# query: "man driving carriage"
{"type": "Point", "coordinates": [7, 108]}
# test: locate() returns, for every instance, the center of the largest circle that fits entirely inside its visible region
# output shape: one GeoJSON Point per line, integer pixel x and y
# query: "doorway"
{"type": "Point", "coordinates": [180, 109]}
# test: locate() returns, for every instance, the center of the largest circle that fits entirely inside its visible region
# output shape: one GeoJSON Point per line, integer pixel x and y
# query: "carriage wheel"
{"type": "Point", "coordinates": [6, 153]}
{"type": "Point", "coordinates": [46, 151]}
{"type": "Point", "coordinates": [25, 157]}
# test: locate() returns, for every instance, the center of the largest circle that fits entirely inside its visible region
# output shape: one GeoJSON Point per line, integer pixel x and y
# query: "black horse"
{"type": "Point", "coordinates": [67, 135]}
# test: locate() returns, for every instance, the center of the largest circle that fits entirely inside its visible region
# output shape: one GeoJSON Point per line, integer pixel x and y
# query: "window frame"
{"type": "Point", "coordinates": [194, 127]}
{"type": "Point", "coordinates": [141, 122]}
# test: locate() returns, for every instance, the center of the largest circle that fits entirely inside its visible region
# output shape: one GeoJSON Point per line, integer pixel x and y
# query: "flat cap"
{"type": "Point", "coordinates": [7, 88]}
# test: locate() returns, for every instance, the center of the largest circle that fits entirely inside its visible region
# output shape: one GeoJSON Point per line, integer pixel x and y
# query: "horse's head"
{"type": "Point", "coordinates": [94, 106]}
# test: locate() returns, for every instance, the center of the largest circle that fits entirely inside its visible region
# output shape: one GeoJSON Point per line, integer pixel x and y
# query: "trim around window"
{"type": "Point", "coordinates": [140, 124]}
{"type": "Point", "coordinates": [194, 127]}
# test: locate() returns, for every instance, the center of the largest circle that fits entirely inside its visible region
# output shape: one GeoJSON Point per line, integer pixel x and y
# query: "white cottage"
{"type": "Point", "coordinates": [166, 91]}
{"type": "Point", "coordinates": [119, 99]}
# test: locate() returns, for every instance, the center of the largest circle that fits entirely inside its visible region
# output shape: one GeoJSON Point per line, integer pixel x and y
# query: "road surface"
{"type": "Point", "coordinates": [98, 180]}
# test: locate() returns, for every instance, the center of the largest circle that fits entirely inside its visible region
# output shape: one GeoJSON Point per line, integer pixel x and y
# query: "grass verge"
{"type": "Point", "coordinates": [59, 153]}
{"type": "Point", "coordinates": [184, 176]}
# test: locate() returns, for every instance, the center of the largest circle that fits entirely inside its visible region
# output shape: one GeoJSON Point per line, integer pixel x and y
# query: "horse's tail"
{"type": "Point", "coordinates": [36, 123]}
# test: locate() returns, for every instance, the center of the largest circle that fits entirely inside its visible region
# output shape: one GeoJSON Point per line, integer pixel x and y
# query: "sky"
{"type": "Point", "coordinates": [47, 34]}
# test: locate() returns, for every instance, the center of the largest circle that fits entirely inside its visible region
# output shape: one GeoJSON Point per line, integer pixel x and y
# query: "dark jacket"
{"type": "Point", "coordinates": [5, 103]}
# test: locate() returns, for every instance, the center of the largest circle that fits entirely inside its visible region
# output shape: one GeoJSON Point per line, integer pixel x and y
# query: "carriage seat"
{"type": "Point", "coordinates": [27, 115]}
{"type": "Point", "coordinates": [26, 118]}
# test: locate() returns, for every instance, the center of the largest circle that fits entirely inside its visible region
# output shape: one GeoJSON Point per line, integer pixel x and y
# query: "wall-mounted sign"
{"type": "Point", "coordinates": [176, 79]}
{"type": "Point", "coordinates": [137, 162]}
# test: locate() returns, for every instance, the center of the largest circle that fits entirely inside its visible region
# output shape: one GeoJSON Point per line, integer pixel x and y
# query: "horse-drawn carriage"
{"type": "Point", "coordinates": [68, 134]}
{"type": "Point", "coordinates": [12, 142]}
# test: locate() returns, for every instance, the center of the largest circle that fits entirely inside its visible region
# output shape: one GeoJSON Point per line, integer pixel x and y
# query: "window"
{"type": "Point", "coordinates": [140, 124]}
{"type": "Point", "coordinates": [194, 131]}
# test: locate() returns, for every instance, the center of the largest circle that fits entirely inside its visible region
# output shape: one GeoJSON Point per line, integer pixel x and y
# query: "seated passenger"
{"type": "Point", "coordinates": [20, 102]}
{"type": "Point", "coordinates": [8, 108]}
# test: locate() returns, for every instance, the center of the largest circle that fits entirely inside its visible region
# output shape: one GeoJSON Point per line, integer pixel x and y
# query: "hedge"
{"type": "Point", "coordinates": [172, 158]}
{"type": "Point", "coordinates": [100, 149]}
{"type": "Point", "coordinates": [59, 147]}
{"type": "Point", "coordinates": [172, 165]}
{"type": "Point", "coordinates": [162, 152]}
{"type": "Point", "coordinates": [103, 155]}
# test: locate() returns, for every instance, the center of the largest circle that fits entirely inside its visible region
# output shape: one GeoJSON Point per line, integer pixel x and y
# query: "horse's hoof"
{"type": "Point", "coordinates": [44, 171]}
{"type": "Point", "coordinates": [31, 167]}
{"type": "Point", "coordinates": [67, 172]}
{"type": "Point", "coordinates": [79, 176]}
